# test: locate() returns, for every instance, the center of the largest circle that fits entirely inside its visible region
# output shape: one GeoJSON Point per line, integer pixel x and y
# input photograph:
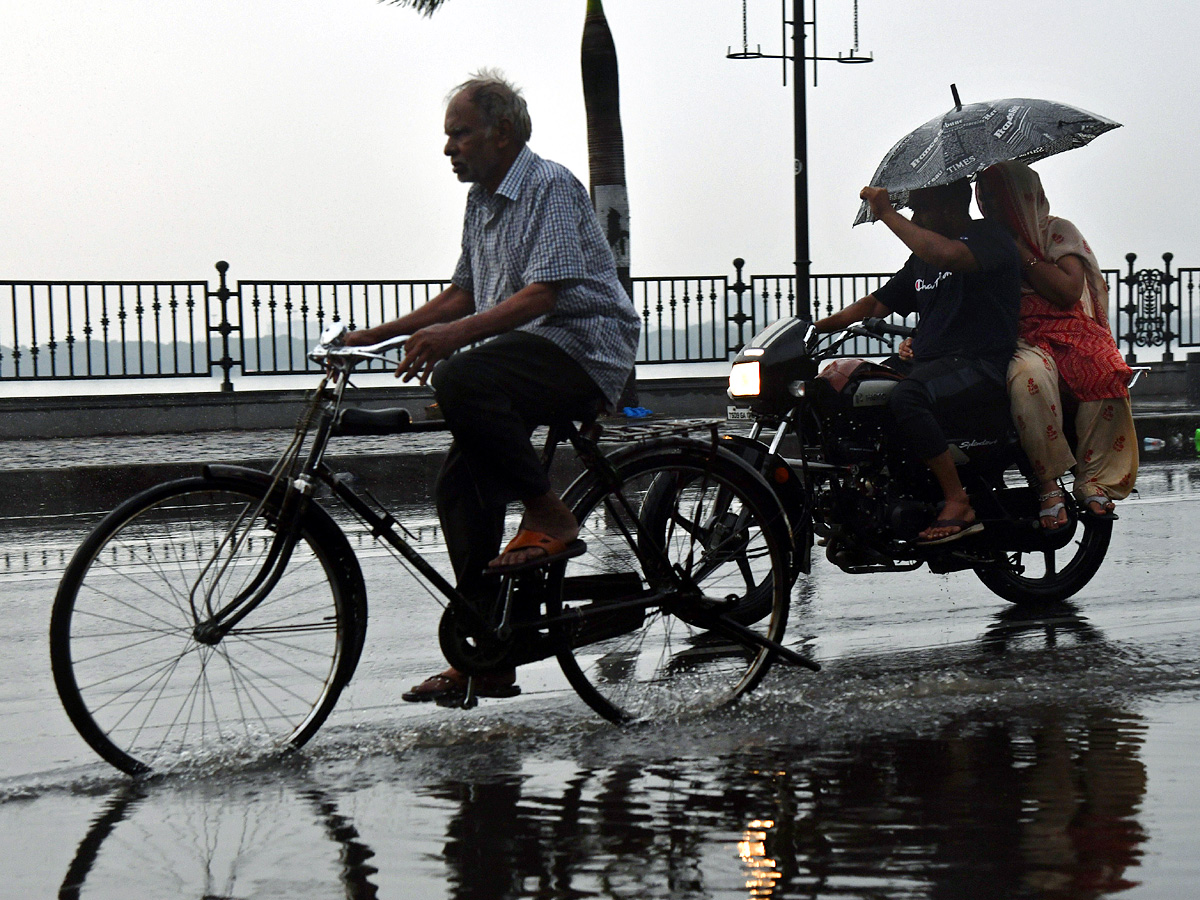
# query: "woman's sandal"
{"type": "Point", "coordinates": [1109, 513]}
{"type": "Point", "coordinates": [1051, 512]}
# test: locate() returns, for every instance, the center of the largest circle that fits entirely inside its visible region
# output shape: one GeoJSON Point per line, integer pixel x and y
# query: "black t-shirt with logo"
{"type": "Point", "coordinates": [972, 314]}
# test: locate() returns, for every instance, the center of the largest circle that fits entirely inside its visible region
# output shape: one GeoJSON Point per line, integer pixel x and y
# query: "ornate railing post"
{"type": "Point", "coordinates": [224, 327]}
{"type": "Point", "coordinates": [1149, 308]}
{"type": "Point", "coordinates": [740, 317]}
{"type": "Point", "coordinates": [1167, 306]}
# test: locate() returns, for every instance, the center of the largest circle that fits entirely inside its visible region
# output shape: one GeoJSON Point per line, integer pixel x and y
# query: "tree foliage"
{"type": "Point", "coordinates": [426, 7]}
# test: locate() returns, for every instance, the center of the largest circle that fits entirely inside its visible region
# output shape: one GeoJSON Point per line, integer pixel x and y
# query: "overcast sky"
{"type": "Point", "coordinates": [302, 138]}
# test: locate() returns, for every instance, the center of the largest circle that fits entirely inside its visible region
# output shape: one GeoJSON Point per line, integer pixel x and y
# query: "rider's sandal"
{"type": "Point", "coordinates": [1108, 515]}
{"type": "Point", "coordinates": [1051, 512]}
{"type": "Point", "coordinates": [552, 550]}
{"type": "Point", "coordinates": [965, 529]}
{"type": "Point", "coordinates": [451, 685]}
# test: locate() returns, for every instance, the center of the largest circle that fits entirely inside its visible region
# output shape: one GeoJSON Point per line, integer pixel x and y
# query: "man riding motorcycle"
{"type": "Point", "coordinates": [963, 278]}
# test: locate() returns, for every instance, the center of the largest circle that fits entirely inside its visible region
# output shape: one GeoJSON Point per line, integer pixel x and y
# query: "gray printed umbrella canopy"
{"type": "Point", "coordinates": [968, 139]}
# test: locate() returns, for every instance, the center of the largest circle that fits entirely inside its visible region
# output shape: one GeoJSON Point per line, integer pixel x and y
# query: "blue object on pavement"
{"type": "Point", "coordinates": [637, 412]}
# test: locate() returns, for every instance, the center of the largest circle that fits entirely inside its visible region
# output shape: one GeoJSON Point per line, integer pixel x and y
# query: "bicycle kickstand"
{"type": "Point", "coordinates": [469, 700]}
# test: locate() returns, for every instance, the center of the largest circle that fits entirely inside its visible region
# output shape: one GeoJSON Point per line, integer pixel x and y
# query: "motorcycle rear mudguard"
{"type": "Point", "coordinates": [787, 486]}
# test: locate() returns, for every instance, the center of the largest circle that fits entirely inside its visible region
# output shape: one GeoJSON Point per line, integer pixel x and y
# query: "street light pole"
{"type": "Point", "coordinates": [800, 137]}
{"type": "Point", "coordinates": [798, 57]}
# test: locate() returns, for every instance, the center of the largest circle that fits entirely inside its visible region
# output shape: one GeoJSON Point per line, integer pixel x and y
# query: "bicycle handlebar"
{"type": "Point", "coordinates": [331, 347]}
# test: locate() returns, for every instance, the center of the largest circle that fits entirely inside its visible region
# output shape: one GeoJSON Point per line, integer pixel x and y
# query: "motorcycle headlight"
{"type": "Point", "coordinates": [744, 380]}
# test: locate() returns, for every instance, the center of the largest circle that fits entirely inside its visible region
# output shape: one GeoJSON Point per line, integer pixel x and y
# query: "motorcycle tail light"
{"type": "Point", "coordinates": [744, 380]}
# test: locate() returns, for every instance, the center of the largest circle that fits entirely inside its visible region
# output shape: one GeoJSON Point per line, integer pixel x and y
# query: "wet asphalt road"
{"type": "Point", "coordinates": [951, 747]}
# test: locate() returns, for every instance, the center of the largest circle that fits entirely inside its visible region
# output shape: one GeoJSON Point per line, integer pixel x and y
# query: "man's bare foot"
{"type": "Point", "coordinates": [452, 684]}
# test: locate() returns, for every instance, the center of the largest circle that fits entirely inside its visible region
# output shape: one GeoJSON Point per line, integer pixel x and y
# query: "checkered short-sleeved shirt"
{"type": "Point", "coordinates": [539, 226]}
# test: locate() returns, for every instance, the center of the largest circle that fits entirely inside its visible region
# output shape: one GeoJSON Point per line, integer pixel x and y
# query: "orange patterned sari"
{"type": "Point", "coordinates": [1079, 338]}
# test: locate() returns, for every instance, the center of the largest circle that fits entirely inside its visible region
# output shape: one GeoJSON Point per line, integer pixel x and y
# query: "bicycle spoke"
{"type": "Point", "coordinates": [134, 677]}
{"type": "Point", "coordinates": [700, 523]}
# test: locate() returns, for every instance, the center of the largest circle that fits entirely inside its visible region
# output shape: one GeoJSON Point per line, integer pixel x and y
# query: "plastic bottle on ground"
{"type": "Point", "coordinates": [1151, 444]}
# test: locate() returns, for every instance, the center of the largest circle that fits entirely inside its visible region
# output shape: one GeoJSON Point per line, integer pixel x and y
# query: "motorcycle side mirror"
{"type": "Point", "coordinates": [811, 337]}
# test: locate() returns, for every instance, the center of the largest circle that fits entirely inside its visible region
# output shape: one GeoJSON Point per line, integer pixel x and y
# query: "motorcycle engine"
{"type": "Point", "coordinates": [881, 496]}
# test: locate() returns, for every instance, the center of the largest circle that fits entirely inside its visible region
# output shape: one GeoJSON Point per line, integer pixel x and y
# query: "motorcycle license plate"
{"type": "Point", "coordinates": [737, 414]}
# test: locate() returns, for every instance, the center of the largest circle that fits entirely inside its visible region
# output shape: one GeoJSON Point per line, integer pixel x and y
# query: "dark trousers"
{"type": "Point", "coordinates": [493, 396]}
{"type": "Point", "coordinates": [943, 393]}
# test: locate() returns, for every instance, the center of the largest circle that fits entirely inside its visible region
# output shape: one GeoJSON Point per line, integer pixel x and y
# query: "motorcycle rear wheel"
{"type": "Point", "coordinates": [1050, 576]}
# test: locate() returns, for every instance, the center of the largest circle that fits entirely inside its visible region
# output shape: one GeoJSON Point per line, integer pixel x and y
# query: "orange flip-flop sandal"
{"type": "Point", "coordinates": [552, 550]}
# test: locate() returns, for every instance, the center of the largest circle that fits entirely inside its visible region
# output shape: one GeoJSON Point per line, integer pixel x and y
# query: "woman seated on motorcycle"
{"type": "Point", "coordinates": [1064, 335]}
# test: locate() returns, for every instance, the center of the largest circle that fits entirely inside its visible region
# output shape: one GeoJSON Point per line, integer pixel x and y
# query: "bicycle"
{"type": "Point", "coordinates": [226, 612]}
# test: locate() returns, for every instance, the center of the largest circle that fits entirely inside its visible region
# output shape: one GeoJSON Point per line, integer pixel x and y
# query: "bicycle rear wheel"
{"type": "Point", "coordinates": [725, 540]}
{"type": "Point", "coordinates": [136, 682]}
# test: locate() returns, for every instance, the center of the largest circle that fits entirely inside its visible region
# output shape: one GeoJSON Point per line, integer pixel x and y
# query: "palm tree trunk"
{"type": "Point", "coordinates": [606, 147]}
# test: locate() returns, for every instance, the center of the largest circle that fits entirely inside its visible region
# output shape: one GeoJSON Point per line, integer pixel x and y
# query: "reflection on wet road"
{"type": "Point", "coordinates": [1012, 804]}
{"type": "Point", "coordinates": [952, 747]}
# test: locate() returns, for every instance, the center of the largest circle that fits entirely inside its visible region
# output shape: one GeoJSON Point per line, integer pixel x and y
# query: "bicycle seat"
{"type": "Point", "coordinates": [586, 415]}
{"type": "Point", "coordinates": [395, 420]}
{"type": "Point", "coordinates": [372, 421]}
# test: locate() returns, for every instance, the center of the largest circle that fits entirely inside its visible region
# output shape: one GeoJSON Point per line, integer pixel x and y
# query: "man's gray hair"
{"type": "Point", "coordinates": [497, 98]}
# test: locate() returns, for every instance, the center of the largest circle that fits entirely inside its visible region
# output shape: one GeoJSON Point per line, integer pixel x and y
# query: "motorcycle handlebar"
{"type": "Point", "coordinates": [877, 327]}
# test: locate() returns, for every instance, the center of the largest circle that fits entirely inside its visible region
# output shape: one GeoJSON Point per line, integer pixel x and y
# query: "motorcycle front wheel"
{"type": "Point", "coordinates": [1050, 576]}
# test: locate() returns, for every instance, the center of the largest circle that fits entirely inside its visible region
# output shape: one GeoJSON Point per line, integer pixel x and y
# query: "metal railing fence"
{"type": "Point", "coordinates": [92, 329]}
{"type": "Point", "coordinates": [281, 321]}
{"type": "Point", "coordinates": [168, 329]}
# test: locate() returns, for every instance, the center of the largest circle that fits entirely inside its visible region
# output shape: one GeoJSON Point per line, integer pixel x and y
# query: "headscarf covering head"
{"type": "Point", "coordinates": [1011, 194]}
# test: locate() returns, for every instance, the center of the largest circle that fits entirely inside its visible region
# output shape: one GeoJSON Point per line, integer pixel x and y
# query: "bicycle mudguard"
{"type": "Point", "coordinates": [245, 474]}
{"type": "Point", "coordinates": [786, 484]}
{"type": "Point", "coordinates": [666, 447]}
{"type": "Point", "coordinates": [356, 421]}
{"type": "Point", "coordinates": [334, 536]}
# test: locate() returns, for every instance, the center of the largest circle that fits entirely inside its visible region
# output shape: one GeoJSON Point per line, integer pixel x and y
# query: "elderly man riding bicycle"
{"type": "Point", "coordinates": [554, 334]}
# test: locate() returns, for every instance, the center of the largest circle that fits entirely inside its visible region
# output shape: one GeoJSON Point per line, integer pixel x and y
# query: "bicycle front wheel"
{"type": "Point", "coordinates": [135, 678]}
{"type": "Point", "coordinates": [719, 547]}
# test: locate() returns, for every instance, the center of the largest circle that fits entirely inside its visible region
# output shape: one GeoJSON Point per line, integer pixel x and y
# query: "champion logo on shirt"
{"type": "Point", "coordinates": [922, 285]}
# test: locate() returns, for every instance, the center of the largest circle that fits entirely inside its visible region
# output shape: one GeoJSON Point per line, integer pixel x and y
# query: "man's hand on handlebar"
{"type": "Point", "coordinates": [426, 348]}
{"type": "Point", "coordinates": [423, 349]}
{"type": "Point", "coordinates": [356, 339]}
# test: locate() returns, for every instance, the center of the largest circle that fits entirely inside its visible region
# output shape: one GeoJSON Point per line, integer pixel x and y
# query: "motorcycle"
{"type": "Point", "coordinates": [853, 490]}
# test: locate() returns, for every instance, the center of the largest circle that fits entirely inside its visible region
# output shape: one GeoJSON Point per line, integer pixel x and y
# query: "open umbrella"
{"type": "Point", "coordinates": [968, 139]}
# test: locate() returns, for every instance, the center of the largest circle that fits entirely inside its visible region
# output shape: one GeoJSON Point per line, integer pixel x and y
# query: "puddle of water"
{"type": "Point", "coordinates": [1168, 811]}
{"type": "Point", "coordinates": [1008, 800]}
{"type": "Point", "coordinates": [952, 747]}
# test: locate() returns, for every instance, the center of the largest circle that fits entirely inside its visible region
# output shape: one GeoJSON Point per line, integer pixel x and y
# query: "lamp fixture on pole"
{"type": "Point", "coordinates": [798, 57]}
